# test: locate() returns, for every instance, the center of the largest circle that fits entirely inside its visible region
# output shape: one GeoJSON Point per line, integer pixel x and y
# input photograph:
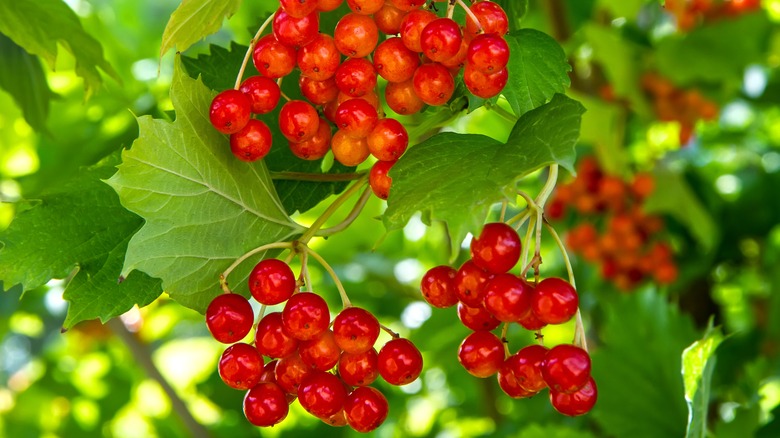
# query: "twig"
{"type": "Point", "coordinates": [316, 177]}
{"type": "Point", "coordinates": [251, 49]}
{"type": "Point", "coordinates": [350, 218]}
{"type": "Point", "coordinates": [344, 298]}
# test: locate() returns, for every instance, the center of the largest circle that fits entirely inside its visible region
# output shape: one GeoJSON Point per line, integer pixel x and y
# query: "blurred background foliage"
{"type": "Point", "coordinates": [153, 373]}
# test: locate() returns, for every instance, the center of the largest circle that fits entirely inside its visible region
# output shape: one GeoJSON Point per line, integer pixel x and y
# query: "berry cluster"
{"type": "Point", "coordinates": [326, 365]}
{"type": "Point", "coordinates": [487, 294]}
{"type": "Point", "coordinates": [689, 13]}
{"type": "Point", "coordinates": [674, 104]}
{"type": "Point", "coordinates": [339, 77]}
{"type": "Point", "coordinates": [625, 250]}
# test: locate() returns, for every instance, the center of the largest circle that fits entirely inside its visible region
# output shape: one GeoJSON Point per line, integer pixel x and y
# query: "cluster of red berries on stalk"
{"type": "Point", "coordinates": [326, 365]}
{"type": "Point", "coordinates": [625, 247]}
{"type": "Point", "coordinates": [487, 294]}
{"type": "Point", "coordinates": [689, 13]}
{"type": "Point", "coordinates": [419, 60]}
{"type": "Point", "coordinates": [674, 104]}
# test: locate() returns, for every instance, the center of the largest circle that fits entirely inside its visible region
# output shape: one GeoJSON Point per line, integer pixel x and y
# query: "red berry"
{"type": "Point", "coordinates": [240, 366]}
{"type": "Point", "coordinates": [251, 143]}
{"type": "Point", "coordinates": [272, 282]}
{"type": "Point", "coordinates": [318, 92]}
{"type": "Point", "coordinates": [265, 405]}
{"type": "Point", "coordinates": [272, 339]}
{"type": "Point", "coordinates": [356, 118]}
{"type": "Point", "coordinates": [394, 61]}
{"type": "Point", "coordinates": [491, 16]}
{"type": "Point", "coordinates": [399, 362]}
{"type": "Point", "coordinates": [497, 248]}
{"type": "Point", "coordinates": [402, 99]}
{"type": "Point", "coordinates": [272, 58]}
{"type": "Point", "coordinates": [290, 372]}
{"type": "Point", "coordinates": [328, 5]}
{"type": "Point", "coordinates": [470, 281]}
{"type": "Point", "coordinates": [389, 18]}
{"type": "Point", "coordinates": [438, 287]}
{"type": "Point", "coordinates": [298, 121]}
{"type": "Point", "coordinates": [379, 180]}
{"type": "Point", "coordinates": [347, 150]}
{"type": "Point", "coordinates": [412, 26]}
{"type": "Point", "coordinates": [365, 7]}
{"type": "Point", "coordinates": [555, 301]}
{"type": "Point", "coordinates": [339, 419]}
{"type": "Point", "coordinates": [298, 8]}
{"type": "Point", "coordinates": [508, 382]}
{"type": "Point", "coordinates": [230, 111]}
{"type": "Point", "coordinates": [322, 394]}
{"type": "Point", "coordinates": [566, 368]}
{"type": "Point", "coordinates": [359, 369]}
{"type": "Point", "coordinates": [407, 5]}
{"type": "Point", "coordinates": [476, 318]}
{"type": "Point", "coordinates": [365, 408]}
{"type": "Point", "coordinates": [356, 77]}
{"type": "Point", "coordinates": [508, 297]}
{"type": "Point", "coordinates": [484, 85]}
{"type": "Point", "coordinates": [296, 32]}
{"type": "Point", "coordinates": [530, 321]}
{"type": "Point", "coordinates": [355, 329]}
{"type": "Point", "coordinates": [481, 354]}
{"type": "Point", "coordinates": [320, 353]}
{"type": "Point", "coordinates": [320, 58]}
{"type": "Point", "coordinates": [356, 35]}
{"type": "Point", "coordinates": [488, 53]}
{"type": "Point", "coordinates": [526, 365]}
{"type": "Point", "coordinates": [269, 372]}
{"type": "Point", "coordinates": [578, 402]}
{"type": "Point", "coordinates": [433, 83]}
{"type": "Point", "coordinates": [315, 147]}
{"type": "Point", "coordinates": [263, 92]}
{"type": "Point", "coordinates": [441, 39]}
{"type": "Point", "coordinates": [229, 318]}
{"type": "Point", "coordinates": [388, 140]}
{"type": "Point", "coordinates": [305, 316]}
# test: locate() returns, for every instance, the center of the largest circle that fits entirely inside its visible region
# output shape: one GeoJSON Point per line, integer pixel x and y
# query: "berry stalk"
{"type": "Point", "coordinates": [251, 48]}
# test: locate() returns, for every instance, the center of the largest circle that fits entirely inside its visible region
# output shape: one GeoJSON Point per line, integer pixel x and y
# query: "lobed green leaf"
{"type": "Point", "coordinates": [698, 363]}
{"type": "Point", "coordinates": [193, 20]}
{"type": "Point", "coordinates": [22, 76]}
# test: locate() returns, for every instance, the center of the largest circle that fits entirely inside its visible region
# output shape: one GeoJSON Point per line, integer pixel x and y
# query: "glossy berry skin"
{"type": "Point", "coordinates": [230, 111]}
{"type": "Point", "coordinates": [356, 118]}
{"type": "Point", "coordinates": [229, 318]}
{"type": "Point", "coordinates": [305, 316]}
{"type": "Point", "coordinates": [481, 354]}
{"type": "Point", "coordinates": [438, 287]}
{"type": "Point", "coordinates": [359, 369]}
{"type": "Point", "coordinates": [320, 353]}
{"type": "Point", "coordinates": [402, 99]}
{"type": "Point", "coordinates": [298, 8]}
{"type": "Point", "coordinates": [269, 372]}
{"type": "Point", "coordinates": [388, 19]}
{"type": "Point", "coordinates": [315, 147]}
{"type": "Point", "coordinates": [508, 382]}
{"type": "Point", "coordinates": [488, 53]}
{"type": "Point", "coordinates": [508, 297]}
{"type": "Point", "coordinates": [412, 26]}
{"type": "Point", "coordinates": [407, 5]}
{"type": "Point", "coordinates": [394, 61]}
{"type": "Point", "coordinates": [339, 419]}
{"type": "Point", "coordinates": [318, 92]}
{"type": "Point", "coordinates": [566, 368]}
{"type": "Point", "coordinates": [348, 150]}
{"type": "Point", "coordinates": [470, 281]}
{"type": "Point", "coordinates": [265, 405]}
{"type": "Point", "coordinates": [356, 77]}
{"type": "Point", "coordinates": [328, 5]}
{"type": "Point", "coordinates": [356, 35]}
{"type": "Point", "coordinates": [253, 142]}
{"type": "Point", "coordinates": [579, 402]}
{"type": "Point", "coordinates": [298, 121]}
{"type": "Point", "coordinates": [240, 366]}
{"type": "Point", "coordinates": [320, 58]}
{"type": "Point", "coordinates": [497, 248]}
{"type": "Point", "coordinates": [272, 339]}
{"type": "Point", "coordinates": [379, 179]}
{"type": "Point", "coordinates": [272, 282]}
{"type": "Point", "coordinates": [441, 39]}
{"type": "Point", "coordinates": [526, 365]}
{"type": "Point", "coordinates": [530, 321]}
{"type": "Point", "coordinates": [355, 330]}
{"type": "Point", "coordinates": [555, 301]}
{"type": "Point", "coordinates": [484, 85]}
{"type": "Point", "coordinates": [322, 394]}
{"type": "Point", "coordinates": [295, 32]}
{"type": "Point", "coordinates": [433, 84]}
{"type": "Point", "coordinates": [476, 318]}
{"type": "Point", "coordinates": [290, 372]}
{"type": "Point", "coordinates": [272, 58]}
{"type": "Point", "coordinates": [263, 92]}
{"type": "Point", "coordinates": [491, 17]}
{"type": "Point", "coordinates": [365, 7]}
{"type": "Point", "coordinates": [399, 362]}
{"type": "Point", "coordinates": [365, 408]}
{"type": "Point", "coordinates": [388, 140]}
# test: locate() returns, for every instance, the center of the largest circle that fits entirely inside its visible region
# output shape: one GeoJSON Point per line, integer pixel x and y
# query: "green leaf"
{"type": "Point", "coordinates": [538, 69]}
{"type": "Point", "coordinates": [604, 126]}
{"type": "Point", "coordinates": [637, 366]}
{"type": "Point", "coordinates": [295, 195]}
{"type": "Point", "coordinates": [77, 224]}
{"type": "Point", "coordinates": [515, 10]}
{"type": "Point", "coordinates": [193, 20]}
{"type": "Point", "coordinates": [733, 40]}
{"type": "Point", "coordinates": [673, 196]}
{"type": "Point", "coordinates": [22, 76]}
{"type": "Point", "coordinates": [203, 207]}
{"type": "Point", "coordinates": [552, 431]}
{"type": "Point", "coordinates": [54, 23]}
{"type": "Point", "coordinates": [457, 177]}
{"type": "Point", "coordinates": [698, 362]}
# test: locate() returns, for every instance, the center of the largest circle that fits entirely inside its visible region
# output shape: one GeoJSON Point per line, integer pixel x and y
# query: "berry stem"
{"type": "Point", "coordinates": [350, 218]}
{"type": "Point", "coordinates": [504, 340]}
{"type": "Point", "coordinates": [504, 205]}
{"type": "Point", "coordinates": [389, 331]}
{"type": "Point", "coordinates": [344, 298]}
{"type": "Point", "coordinates": [317, 177]}
{"type": "Point", "coordinates": [502, 112]}
{"type": "Point", "coordinates": [306, 237]}
{"type": "Point", "coordinates": [471, 15]}
{"type": "Point", "coordinates": [251, 49]}
{"type": "Point", "coordinates": [527, 244]}
{"type": "Point", "coordinates": [276, 245]}
{"type": "Point", "coordinates": [450, 9]}
{"type": "Point", "coordinates": [549, 186]}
